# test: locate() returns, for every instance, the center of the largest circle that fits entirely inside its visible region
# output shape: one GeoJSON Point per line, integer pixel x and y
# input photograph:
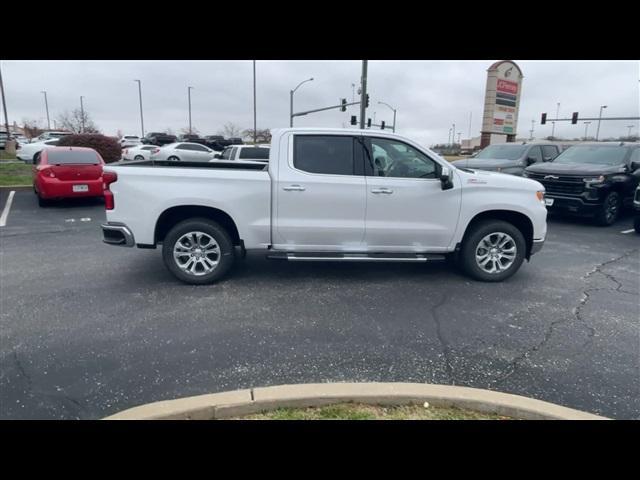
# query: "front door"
{"type": "Point", "coordinates": [320, 195]}
{"type": "Point", "coordinates": [407, 210]}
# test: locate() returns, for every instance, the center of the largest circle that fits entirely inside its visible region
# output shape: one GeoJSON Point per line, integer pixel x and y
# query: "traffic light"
{"type": "Point", "coordinates": [367, 102]}
{"type": "Point", "coordinates": [382, 125]}
{"type": "Point", "coordinates": [574, 118]}
{"type": "Point", "coordinates": [368, 123]}
{"type": "Point", "coordinates": [543, 120]}
{"type": "Point", "coordinates": [354, 120]}
{"type": "Point", "coordinates": [344, 105]}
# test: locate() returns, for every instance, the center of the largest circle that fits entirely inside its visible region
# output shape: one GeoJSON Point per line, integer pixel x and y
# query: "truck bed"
{"type": "Point", "coordinates": [236, 164]}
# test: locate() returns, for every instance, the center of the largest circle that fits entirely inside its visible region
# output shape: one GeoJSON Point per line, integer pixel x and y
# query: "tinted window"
{"type": "Point", "coordinates": [391, 158]}
{"type": "Point", "coordinates": [64, 156]}
{"type": "Point", "coordinates": [184, 146]}
{"type": "Point", "coordinates": [549, 152]}
{"type": "Point", "coordinates": [199, 148]}
{"type": "Point", "coordinates": [502, 152]}
{"type": "Point", "coordinates": [324, 154]}
{"type": "Point", "coordinates": [535, 153]}
{"type": "Point", "coordinates": [257, 153]}
{"type": "Point", "coordinates": [51, 142]}
{"type": "Point", "coordinates": [232, 155]}
{"type": "Point", "coordinates": [148, 148]}
{"type": "Point", "coordinates": [593, 154]}
{"type": "Point", "coordinates": [226, 153]}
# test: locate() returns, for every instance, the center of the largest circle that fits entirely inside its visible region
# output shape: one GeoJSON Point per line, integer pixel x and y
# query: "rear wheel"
{"type": "Point", "coordinates": [198, 251]}
{"type": "Point", "coordinates": [610, 210]}
{"type": "Point", "coordinates": [173, 158]}
{"type": "Point", "coordinates": [138, 157]}
{"type": "Point", "coordinates": [42, 202]}
{"type": "Point", "coordinates": [493, 251]}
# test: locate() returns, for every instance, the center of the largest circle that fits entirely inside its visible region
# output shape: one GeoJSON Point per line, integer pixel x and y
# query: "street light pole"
{"type": "Point", "coordinates": [255, 115]}
{"type": "Point", "coordinates": [629, 127]}
{"type": "Point", "coordinates": [82, 113]}
{"type": "Point", "coordinates": [453, 137]}
{"type": "Point", "coordinates": [553, 128]}
{"type": "Point", "coordinates": [394, 115]}
{"type": "Point", "coordinates": [586, 126]}
{"type": "Point", "coordinates": [599, 119]}
{"type": "Point", "coordinates": [449, 138]}
{"type": "Point", "coordinates": [291, 99]}
{"type": "Point", "coordinates": [532, 123]}
{"type": "Point", "coordinates": [4, 104]}
{"type": "Point", "coordinates": [189, 95]}
{"type": "Point", "coordinates": [363, 94]}
{"type": "Point", "coordinates": [140, 95]}
{"type": "Point", "coordinates": [459, 133]}
{"type": "Point", "coordinates": [46, 105]}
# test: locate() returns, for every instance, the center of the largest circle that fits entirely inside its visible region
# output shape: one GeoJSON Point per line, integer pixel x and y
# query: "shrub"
{"type": "Point", "coordinates": [108, 147]}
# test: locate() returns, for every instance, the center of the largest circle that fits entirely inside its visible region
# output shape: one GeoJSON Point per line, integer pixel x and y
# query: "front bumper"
{"type": "Point", "coordinates": [117, 234]}
{"type": "Point", "coordinates": [536, 246]}
{"type": "Point", "coordinates": [572, 205]}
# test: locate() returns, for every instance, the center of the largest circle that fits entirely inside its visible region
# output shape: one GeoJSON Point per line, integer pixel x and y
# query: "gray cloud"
{"type": "Point", "coordinates": [429, 95]}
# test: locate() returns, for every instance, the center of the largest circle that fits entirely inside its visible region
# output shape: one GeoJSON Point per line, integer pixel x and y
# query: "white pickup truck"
{"type": "Point", "coordinates": [326, 195]}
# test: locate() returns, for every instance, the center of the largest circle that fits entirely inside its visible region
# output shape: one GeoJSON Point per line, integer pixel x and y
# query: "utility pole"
{"type": "Point", "coordinates": [140, 95]}
{"type": "Point", "coordinates": [46, 105]}
{"type": "Point", "coordinates": [531, 131]}
{"type": "Point", "coordinates": [586, 126]}
{"type": "Point", "coordinates": [470, 116]}
{"type": "Point", "coordinates": [189, 95]}
{"type": "Point", "coordinates": [255, 122]}
{"type": "Point", "coordinates": [553, 128]}
{"type": "Point", "coordinates": [363, 94]}
{"type": "Point", "coordinates": [453, 137]}
{"type": "Point", "coordinates": [82, 113]}
{"type": "Point", "coordinates": [459, 133]}
{"type": "Point", "coordinates": [449, 138]}
{"type": "Point", "coordinates": [353, 92]}
{"type": "Point", "coordinates": [4, 104]}
{"type": "Point", "coordinates": [599, 119]}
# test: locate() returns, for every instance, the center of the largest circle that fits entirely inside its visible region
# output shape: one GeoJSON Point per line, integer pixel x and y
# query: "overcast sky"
{"type": "Point", "coordinates": [429, 95]}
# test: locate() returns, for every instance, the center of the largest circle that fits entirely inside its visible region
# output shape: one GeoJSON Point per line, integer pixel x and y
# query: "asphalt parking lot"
{"type": "Point", "coordinates": [88, 329]}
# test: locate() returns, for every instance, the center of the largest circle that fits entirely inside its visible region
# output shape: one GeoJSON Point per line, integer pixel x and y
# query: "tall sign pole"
{"type": "Point", "coordinates": [501, 101]}
{"type": "Point", "coordinates": [363, 94]}
{"type": "Point", "coordinates": [255, 122]}
{"type": "Point", "coordinates": [140, 96]}
{"type": "Point", "coordinates": [4, 105]}
{"type": "Point", "coordinates": [46, 106]}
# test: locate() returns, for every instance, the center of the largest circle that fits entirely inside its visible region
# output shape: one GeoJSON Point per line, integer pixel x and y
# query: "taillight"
{"type": "Point", "coordinates": [155, 150]}
{"type": "Point", "coordinates": [47, 172]}
{"type": "Point", "coordinates": [107, 179]}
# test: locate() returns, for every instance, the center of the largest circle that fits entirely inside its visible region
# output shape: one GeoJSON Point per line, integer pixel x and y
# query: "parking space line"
{"type": "Point", "coordinates": [7, 207]}
{"type": "Point", "coordinates": [628, 231]}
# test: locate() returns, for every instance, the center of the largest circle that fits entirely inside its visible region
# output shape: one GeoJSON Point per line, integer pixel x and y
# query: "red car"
{"type": "Point", "coordinates": [67, 172]}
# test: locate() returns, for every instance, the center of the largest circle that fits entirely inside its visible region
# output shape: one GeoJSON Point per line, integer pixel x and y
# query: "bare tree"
{"type": "Point", "coordinates": [262, 136]}
{"type": "Point", "coordinates": [185, 131]}
{"type": "Point", "coordinates": [77, 121]}
{"type": "Point", "coordinates": [31, 128]}
{"type": "Point", "coordinates": [230, 129]}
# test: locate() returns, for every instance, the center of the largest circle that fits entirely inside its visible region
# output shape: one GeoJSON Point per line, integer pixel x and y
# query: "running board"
{"type": "Point", "coordinates": [355, 257]}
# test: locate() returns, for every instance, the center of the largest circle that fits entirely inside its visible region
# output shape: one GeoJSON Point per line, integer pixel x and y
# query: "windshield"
{"type": "Point", "coordinates": [593, 154]}
{"type": "Point", "coordinates": [503, 152]}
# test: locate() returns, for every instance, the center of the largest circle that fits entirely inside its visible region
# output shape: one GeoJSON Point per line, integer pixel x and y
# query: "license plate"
{"type": "Point", "coordinates": [548, 201]}
{"type": "Point", "coordinates": [81, 188]}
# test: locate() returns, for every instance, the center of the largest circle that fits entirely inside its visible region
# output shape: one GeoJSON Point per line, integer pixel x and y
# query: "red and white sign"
{"type": "Point", "coordinates": [506, 86]}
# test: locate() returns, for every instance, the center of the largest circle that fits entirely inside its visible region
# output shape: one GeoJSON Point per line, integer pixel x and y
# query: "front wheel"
{"type": "Point", "coordinates": [610, 210]}
{"type": "Point", "coordinates": [173, 158]}
{"type": "Point", "coordinates": [138, 157]}
{"type": "Point", "coordinates": [493, 251]}
{"type": "Point", "coordinates": [198, 251]}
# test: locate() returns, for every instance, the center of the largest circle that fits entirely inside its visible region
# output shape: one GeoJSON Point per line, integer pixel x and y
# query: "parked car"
{"type": "Point", "coordinates": [258, 153]}
{"type": "Point", "coordinates": [4, 136]}
{"type": "Point", "coordinates": [322, 197]}
{"type": "Point", "coordinates": [183, 151]}
{"type": "Point", "coordinates": [67, 172]}
{"type": "Point", "coordinates": [636, 207]}
{"type": "Point", "coordinates": [216, 142]}
{"type": "Point", "coordinates": [235, 141]}
{"type": "Point", "coordinates": [130, 141]}
{"type": "Point", "coordinates": [511, 158]}
{"type": "Point", "coordinates": [27, 152]}
{"type": "Point", "coordinates": [53, 134]}
{"type": "Point", "coordinates": [138, 152]}
{"type": "Point", "coordinates": [157, 138]}
{"type": "Point", "coordinates": [591, 179]}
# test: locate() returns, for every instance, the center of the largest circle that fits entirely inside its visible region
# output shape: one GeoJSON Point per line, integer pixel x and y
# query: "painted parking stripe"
{"type": "Point", "coordinates": [7, 207]}
{"type": "Point", "coordinates": [628, 231]}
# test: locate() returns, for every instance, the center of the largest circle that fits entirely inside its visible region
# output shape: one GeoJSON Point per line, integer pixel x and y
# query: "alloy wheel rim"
{"type": "Point", "coordinates": [196, 253]}
{"type": "Point", "coordinates": [612, 207]}
{"type": "Point", "coordinates": [496, 252]}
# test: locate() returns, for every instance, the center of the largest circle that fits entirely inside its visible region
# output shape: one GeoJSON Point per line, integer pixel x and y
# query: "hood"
{"type": "Point", "coordinates": [481, 178]}
{"type": "Point", "coordinates": [551, 168]}
{"type": "Point", "coordinates": [487, 163]}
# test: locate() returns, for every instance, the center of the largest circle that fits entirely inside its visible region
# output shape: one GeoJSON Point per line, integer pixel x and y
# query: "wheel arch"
{"type": "Point", "coordinates": [517, 219]}
{"type": "Point", "coordinates": [174, 215]}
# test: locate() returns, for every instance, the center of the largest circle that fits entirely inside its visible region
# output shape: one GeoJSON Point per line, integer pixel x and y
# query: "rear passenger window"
{"type": "Point", "coordinates": [326, 154]}
{"type": "Point", "coordinates": [549, 152]}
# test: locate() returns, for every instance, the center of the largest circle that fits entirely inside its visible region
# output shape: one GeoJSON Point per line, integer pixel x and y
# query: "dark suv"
{"type": "Point", "coordinates": [158, 138]}
{"type": "Point", "coordinates": [590, 179]}
{"type": "Point", "coordinates": [511, 158]}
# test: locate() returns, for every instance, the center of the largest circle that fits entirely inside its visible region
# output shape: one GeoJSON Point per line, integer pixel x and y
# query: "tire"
{"type": "Point", "coordinates": [636, 223]}
{"type": "Point", "coordinates": [138, 157]}
{"type": "Point", "coordinates": [193, 270]}
{"type": "Point", "coordinates": [510, 255]}
{"type": "Point", "coordinates": [173, 158]}
{"type": "Point", "coordinates": [610, 210]}
{"type": "Point", "coordinates": [42, 202]}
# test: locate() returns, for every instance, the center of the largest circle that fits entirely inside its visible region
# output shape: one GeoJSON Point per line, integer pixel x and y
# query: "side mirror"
{"type": "Point", "coordinates": [547, 159]}
{"type": "Point", "coordinates": [446, 178]}
{"type": "Point", "coordinates": [531, 160]}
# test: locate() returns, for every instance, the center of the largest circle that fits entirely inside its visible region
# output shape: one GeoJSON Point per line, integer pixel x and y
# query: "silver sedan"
{"type": "Point", "coordinates": [139, 152]}
{"type": "Point", "coordinates": [183, 151]}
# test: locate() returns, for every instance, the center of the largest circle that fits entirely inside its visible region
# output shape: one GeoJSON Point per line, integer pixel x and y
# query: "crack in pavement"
{"type": "Point", "coordinates": [446, 350]}
{"type": "Point", "coordinates": [576, 314]}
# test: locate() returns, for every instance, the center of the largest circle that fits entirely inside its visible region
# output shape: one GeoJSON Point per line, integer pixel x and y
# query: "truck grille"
{"type": "Point", "coordinates": [565, 185]}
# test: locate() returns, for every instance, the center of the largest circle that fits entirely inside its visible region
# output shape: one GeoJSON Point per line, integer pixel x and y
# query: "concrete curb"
{"type": "Point", "coordinates": [243, 402]}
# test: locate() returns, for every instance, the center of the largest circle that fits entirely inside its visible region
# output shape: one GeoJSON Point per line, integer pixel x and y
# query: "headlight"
{"type": "Point", "coordinates": [590, 180]}
{"type": "Point", "coordinates": [525, 174]}
{"type": "Point", "coordinates": [540, 195]}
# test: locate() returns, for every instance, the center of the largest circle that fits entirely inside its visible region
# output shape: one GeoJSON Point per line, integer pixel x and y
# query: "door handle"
{"type": "Point", "coordinates": [386, 191]}
{"type": "Point", "coordinates": [294, 188]}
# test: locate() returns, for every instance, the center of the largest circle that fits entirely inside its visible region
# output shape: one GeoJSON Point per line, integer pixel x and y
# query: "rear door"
{"type": "Point", "coordinates": [320, 194]}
